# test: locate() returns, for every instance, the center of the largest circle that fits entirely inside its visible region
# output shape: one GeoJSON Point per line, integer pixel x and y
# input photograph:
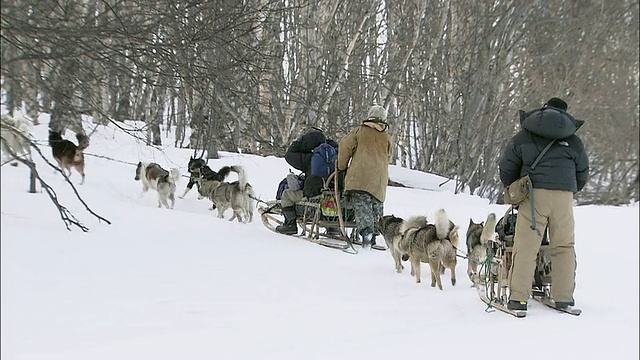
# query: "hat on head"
{"type": "Point", "coordinates": [377, 112]}
{"type": "Point", "coordinates": [557, 103]}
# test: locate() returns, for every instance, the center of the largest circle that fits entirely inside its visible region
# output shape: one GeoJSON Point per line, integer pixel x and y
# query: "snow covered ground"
{"type": "Point", "coordinates": [183, 284]}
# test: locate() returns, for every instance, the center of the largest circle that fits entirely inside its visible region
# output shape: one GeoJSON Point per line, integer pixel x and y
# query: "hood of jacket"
{"type": "Point", "coordinates": [550, 123]}
{"type": "Point", "coordinates": [376, 124]}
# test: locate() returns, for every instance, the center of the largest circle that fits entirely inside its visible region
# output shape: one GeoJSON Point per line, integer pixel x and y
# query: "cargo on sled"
{"type": "Point", "coordinates": [326, 219]}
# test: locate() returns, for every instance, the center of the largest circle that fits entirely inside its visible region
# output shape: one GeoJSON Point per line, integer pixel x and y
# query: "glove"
{"type": "Point", "coordinates": [341, 176]}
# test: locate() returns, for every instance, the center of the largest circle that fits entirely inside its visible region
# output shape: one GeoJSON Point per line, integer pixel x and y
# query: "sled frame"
{"type": "Point", "coordinates": [494, 273]}
{"type": "Point", "coordinates": [312, 221]}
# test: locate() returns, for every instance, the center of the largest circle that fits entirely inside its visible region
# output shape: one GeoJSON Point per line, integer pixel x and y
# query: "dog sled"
{"type": "Point", "coordinates": [493, 285]}
{"type": "Point", "coordinates": [327, 219]}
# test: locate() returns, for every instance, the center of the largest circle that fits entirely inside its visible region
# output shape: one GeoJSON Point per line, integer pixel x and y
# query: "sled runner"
{"type": "Point", "coordinates": [326, 219]}
{"type": "Point", "coordinates": [493, 286]}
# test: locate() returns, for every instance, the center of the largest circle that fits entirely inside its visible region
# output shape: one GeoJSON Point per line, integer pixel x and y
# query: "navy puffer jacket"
{"type": "Point", "coordinates": [299, 157]}
{"type": "Point", "coordinates": [565, 166]}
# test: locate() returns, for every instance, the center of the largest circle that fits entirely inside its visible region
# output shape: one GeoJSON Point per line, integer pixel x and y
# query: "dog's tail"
{"type": "Point", "coordinates": [224, 172]}
{"type": "Point", "coordinates": [443, 225]}
{"type": "Point", "coordinates": [174, 174]}
{"type": "Point", "coordinates": [488, 229]}
{"type": "Point", "coordinates": [415, 222]}
{"type": "Point", "coordinates": [242, 177]}
{"type": "Point", "coordinates": [83, 141]}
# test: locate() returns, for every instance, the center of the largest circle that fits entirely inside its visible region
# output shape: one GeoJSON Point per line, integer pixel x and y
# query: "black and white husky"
{"type": "Point", "coordinates": [201, 173]}
{"type": "Point", "coordinates": [164, 182]}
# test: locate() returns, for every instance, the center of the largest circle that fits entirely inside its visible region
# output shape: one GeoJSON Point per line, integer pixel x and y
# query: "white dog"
{"type": "Point", "coordinates": [164, 182]}
{"type": "Point", "coordinates": [15, 138]}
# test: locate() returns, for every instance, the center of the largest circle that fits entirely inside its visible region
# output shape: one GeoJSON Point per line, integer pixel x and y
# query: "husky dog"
{"type": "Point", "coordinates": [164, 182]}
{"type": "Point", "coordinates": [237, 195]}
{"type": "Point", "coordinates": [428, 243]}
{"type": "Point", "coordinates": [389, 227]}
{"type": "Point", "coordinates": [450, 259]}
{"type": "Point", "coordinates": [67, 154]}
{"type": "Point", "coordinates": [200, 173]}
{"type": "Point", "coordinates": [478, 235]}
{"type": "Point", "coordinates": [15, 138]}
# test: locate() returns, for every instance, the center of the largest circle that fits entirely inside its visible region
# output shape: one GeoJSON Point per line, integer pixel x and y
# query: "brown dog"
{"type": "Point", "coordinates": [67, 154]}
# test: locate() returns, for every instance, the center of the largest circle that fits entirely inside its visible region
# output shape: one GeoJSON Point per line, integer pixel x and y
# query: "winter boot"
{"type": "Point", "coordinates": [517, 305]}
{"type": "Point", "coordinates": [289, 227]}
{"type": "Point", "coordinates": [561, 305]}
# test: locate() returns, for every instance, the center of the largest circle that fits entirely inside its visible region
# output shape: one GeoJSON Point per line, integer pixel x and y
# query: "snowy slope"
{"type": "Point", "coordinates": [182, 284]}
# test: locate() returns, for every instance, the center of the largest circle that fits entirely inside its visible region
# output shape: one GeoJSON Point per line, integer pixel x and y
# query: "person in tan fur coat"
{"type": "Point", "coordinates": [364, 154]}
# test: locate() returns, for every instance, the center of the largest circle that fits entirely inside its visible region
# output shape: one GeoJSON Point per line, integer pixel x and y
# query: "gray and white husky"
{"type": "Point", "coordinates": [478, 235]}
{"type": "Point", "coordinates": [434, 244]}
{"type": "Point", "coordinates": [237, 195]}
{"type": "Point", "coordinates": [389, 228]}
{"type": "Point", "coordinates": [164, 182]}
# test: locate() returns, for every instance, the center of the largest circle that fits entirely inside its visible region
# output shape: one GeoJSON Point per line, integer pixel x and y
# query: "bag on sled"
{"type": "Point", "coordinates": [323, 160]}
{"type": "Point", "coordinates": [291, 181]}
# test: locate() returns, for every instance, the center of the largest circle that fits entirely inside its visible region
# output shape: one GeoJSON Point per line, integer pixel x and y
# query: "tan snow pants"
{"type": "Point", "coordinates": [553, 207]}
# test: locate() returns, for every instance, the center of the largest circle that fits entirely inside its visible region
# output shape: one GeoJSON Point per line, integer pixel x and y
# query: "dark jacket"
{"type": "Point", "coordinates": [299, 157]}
{"type": "Point", "coordinates": [565, 166]}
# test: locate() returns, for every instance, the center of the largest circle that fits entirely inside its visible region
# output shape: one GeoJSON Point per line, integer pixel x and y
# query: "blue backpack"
{"type": "Point", "coordinates": [323, 160]}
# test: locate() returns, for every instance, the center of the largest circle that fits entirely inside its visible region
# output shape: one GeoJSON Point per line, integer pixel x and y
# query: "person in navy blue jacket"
{"type": "Point", "coordinates": [562, 171]}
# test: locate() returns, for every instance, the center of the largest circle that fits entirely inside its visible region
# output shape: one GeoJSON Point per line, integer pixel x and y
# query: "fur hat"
{"type": "Point", "coordinates": [557, 103]}
{"type": "Point", "coordinates": [377, 112]}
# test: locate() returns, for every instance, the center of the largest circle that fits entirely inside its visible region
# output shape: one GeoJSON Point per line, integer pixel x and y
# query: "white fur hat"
{"type": "Point", "coordinates": [377, 112]}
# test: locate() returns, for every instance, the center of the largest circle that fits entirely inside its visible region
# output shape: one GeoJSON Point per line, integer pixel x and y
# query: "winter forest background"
{"type": "Point", "coordinates": [250, 75]}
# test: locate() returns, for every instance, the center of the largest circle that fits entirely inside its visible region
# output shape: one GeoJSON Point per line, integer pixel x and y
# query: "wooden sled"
{"type": "Point", "coordinates": [326, 219]}
{"type": "Point", "coordinates": [493, 287]}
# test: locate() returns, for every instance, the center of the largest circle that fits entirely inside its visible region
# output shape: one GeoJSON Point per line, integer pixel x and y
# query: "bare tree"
{"type": "Point", "coordinates": [250, 76]}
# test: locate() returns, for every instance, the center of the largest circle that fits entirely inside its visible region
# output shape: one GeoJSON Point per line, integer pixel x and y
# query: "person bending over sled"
{"type": "Point", "coordinates": [364, 154]}
{"type": "Point", "coordinates": [299, 156]}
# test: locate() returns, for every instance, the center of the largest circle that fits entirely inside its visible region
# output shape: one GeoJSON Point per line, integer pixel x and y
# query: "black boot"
{"type": "Point", "coordinates": [517, 305]}
{"type": "Point", "coordinates": [367, 238]}
{"type": "Point", "coordinates": [289, 227]}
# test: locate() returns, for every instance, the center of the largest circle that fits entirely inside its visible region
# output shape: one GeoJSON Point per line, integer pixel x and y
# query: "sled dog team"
{"type": "Point", "coordinates": [237, 196]}
{"type": "Point", "coordinates": [414, 239]}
